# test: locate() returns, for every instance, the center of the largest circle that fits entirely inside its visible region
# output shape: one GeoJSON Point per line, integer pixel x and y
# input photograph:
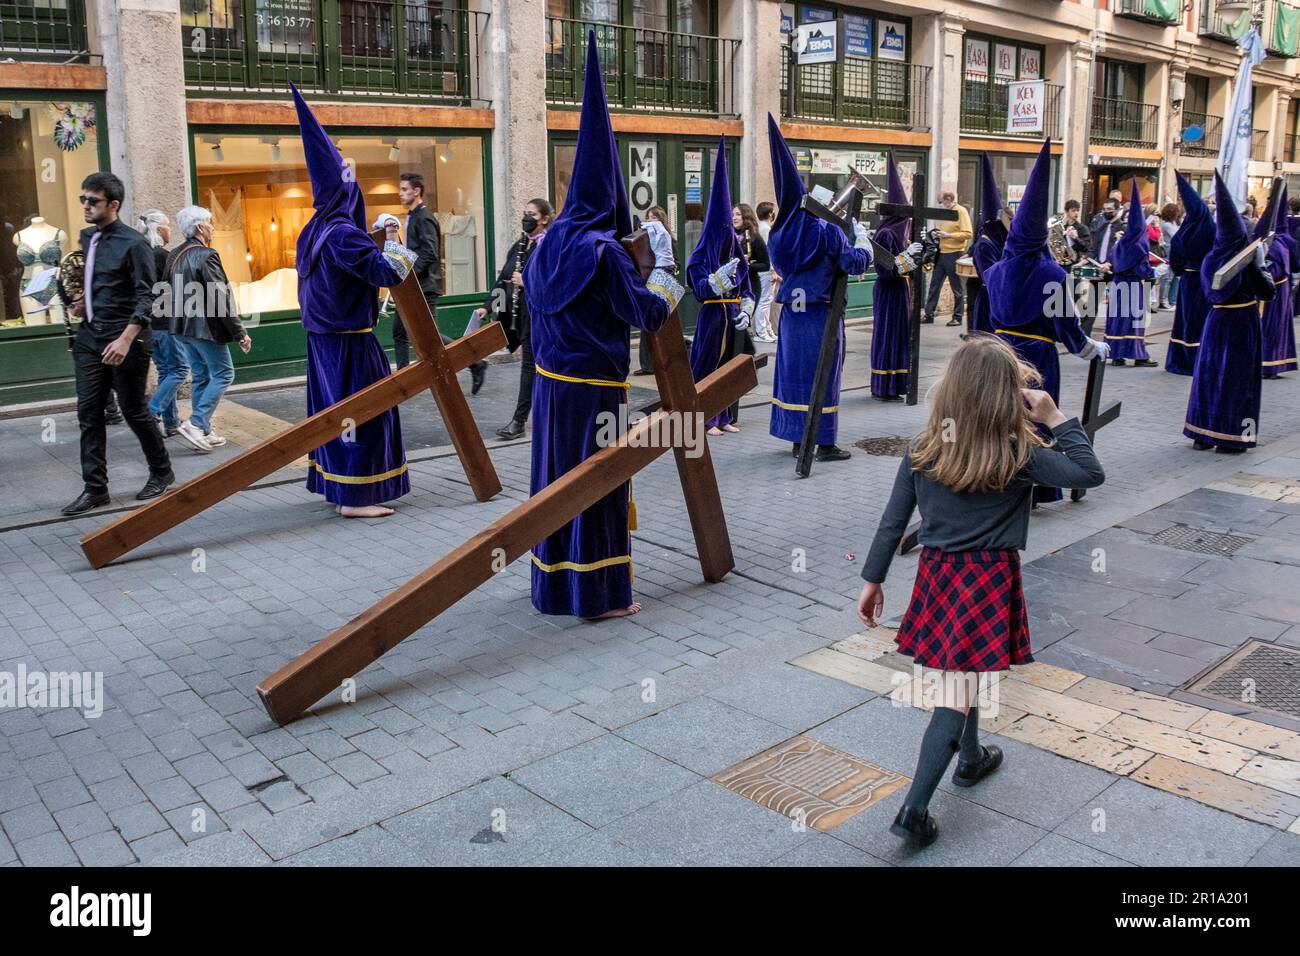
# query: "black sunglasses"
{"type": "Point", "coordinates": [90, 200]}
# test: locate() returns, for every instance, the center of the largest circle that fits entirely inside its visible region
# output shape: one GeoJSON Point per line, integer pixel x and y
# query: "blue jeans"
{"type": "Point", "coordinates": [214, 371]}
{"type": "Point", "coordinates": [173, 369]}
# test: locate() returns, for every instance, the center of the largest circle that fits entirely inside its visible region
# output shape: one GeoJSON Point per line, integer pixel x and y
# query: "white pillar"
{"type": "Point", "coordinates": [758, 93]}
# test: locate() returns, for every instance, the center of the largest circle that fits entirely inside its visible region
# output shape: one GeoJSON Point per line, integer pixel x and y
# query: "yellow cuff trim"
{"type": "Point", "coordinates": [720, 302]}
{"type": "Point", "coordinates": [357, 479]}
{"type": "Point", "coordinates": [1285, 361]}
{"type": "Point", "coordinates": [1205, 431]}
{"type": "Point", "coordinates": [575, 566]}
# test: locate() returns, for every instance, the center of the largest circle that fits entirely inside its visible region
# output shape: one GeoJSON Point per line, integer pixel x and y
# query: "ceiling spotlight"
{"type": "Point", "coordinates": [217, 154]}
{"type": "Point", "coordinates": [16, 111]}
{"type": "Point", "coordinates": [274, 143]}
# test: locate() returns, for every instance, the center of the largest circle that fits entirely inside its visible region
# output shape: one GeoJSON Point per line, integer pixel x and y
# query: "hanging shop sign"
{"type": "Point", "coordinates": [1025, 105]}
{"type": "Point", "coordinates": [816, 42]}
{"type": "Point", "coordinates": [642, 176]}
{"type": "Point", "coordinates": [893, 40]}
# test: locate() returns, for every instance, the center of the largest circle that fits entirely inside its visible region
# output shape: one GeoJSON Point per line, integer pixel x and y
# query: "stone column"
{"type": "Point", "coordinates": [941, 42]}
{"type": "Point", "coordinates": [1076, 109]}
{"type": "Point", "coordinates": [757, 92]}
{"type": "Point", "coordinates": [514, 64]}
{"type": "Point", "coordinates": [1173, 129]}
{"type": "Point", "coordinates": [148, 137]}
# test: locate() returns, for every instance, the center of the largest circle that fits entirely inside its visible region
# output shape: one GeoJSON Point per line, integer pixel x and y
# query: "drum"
{"type": "Point", "coordinates": [966, 267]}
{"type": "Point", "coordinates": [1090, 272]}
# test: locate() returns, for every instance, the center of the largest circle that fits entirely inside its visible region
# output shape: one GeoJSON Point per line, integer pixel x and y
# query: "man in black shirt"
{"type": "Point", "coordinates": [111, 349]}
{"type": "Point", "coordinates": [424, 238]}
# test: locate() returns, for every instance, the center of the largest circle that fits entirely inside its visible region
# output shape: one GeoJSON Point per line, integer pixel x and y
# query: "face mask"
{"type": "Point", "coordinates": [529, 223]}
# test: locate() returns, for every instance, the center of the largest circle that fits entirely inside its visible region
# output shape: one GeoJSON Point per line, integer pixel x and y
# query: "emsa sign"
{"type": "Point", "coordinates": [816, 42]}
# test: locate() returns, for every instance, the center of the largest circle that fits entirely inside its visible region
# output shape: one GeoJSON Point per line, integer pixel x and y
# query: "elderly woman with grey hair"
{"type": "Point", "coordinates": [168, 356]}
{"type": "Point", "coordinates": [203, 318]}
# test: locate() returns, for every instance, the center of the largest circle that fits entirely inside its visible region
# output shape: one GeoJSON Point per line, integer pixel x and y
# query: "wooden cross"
{"type": "Point", "coordinates": [919, 215]}
{"type": "Point", "coordinates": [321, 670]}
{"type": "Point", "coordinates": [435, 369]}
{"type": "Point", "coordinates": [830, 331]}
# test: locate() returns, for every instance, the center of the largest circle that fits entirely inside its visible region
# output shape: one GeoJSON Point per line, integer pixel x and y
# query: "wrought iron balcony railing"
{"type": "Point", "coordinates": [1163, 12]}
{"type": "Point", "coordinates": [1210, 128]}
{"type": "Point", "coordinates": [1259, 146]}
{"type": "Point", "coordinates": [984, 105]}
{"type": "Point", "coordinates": [363, 48]}
{"type": "Point", "coordinates": [44, 31]}
{"type": "Point", "coordinates": [1230, 27]}
{"type": "Point", "coordinates": [1124, 122]}
{"type": "Point", "coordinates": [651, 70]}
{"type": "Point", "coordinates": [858, 92]}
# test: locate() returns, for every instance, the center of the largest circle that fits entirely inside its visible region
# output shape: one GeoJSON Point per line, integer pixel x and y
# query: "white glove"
{"type": "Point", "coordinates": [386, 219]}
{"type": "Point", "coordinates": [1094, 349]}
{"type": "Point", "coordinates": [662, 284]}
{"type": "Point", "coordinates": [745, 314]}
{"type": "Point", "coordinates": [723, 281]}
{"type": "Point", "coordinates": [914, 250]}
{"type": "Point", "coordinates": [861, 238]}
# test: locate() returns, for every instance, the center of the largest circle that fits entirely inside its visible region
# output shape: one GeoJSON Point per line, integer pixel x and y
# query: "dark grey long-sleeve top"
{"type": "Point", "coordinates": [980, 521]}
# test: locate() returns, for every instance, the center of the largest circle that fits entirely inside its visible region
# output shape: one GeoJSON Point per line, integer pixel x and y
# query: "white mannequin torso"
{"type": "Point", "coordinates": [35, 236]}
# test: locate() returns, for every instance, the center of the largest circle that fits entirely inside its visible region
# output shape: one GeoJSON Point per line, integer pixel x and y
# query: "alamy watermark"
{"type": "Point", "coordinates": [80, 690]}
{"type": "Point", "coordinates": [666, 429]}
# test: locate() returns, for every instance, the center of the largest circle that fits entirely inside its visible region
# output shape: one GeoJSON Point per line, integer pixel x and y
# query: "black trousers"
{"type": "Point", "coordinates": [95, 384]}
{"type": "Point", "coordinates": [945, 265]}
{"type": "Point", "coordinates": [527, 371]}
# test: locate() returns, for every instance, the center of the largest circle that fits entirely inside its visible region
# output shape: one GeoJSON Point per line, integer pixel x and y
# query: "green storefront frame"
{"type": "Point", "coordinates": [280, 345]}
{"type": "Point", "coordinates": [35, 364]}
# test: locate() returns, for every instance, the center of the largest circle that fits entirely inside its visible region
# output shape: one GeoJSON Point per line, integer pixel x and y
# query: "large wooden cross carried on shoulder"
{"type": "Point", "coordinates": [321, 669]}
{"type": "Point", "coordinates": [920, 215]}
{"type": "Point", "coordinates": [435, 369]}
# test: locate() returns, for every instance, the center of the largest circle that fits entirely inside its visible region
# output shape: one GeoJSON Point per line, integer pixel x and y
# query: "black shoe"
{"type": "Point", "coordinates": [927, 320]}
{"type": "Point", "coordinates": [1201, 445]}
{"type": "Point", "coordinates": [888, 398]}
{"type": "Point", "coordinates": [915, 825]}
{"type": "Point", "coordinates": [156, 485]}
{"type": "Point", "coordinates": [953, 323]}
{"type": "Point", "coordinates": [969, 774]}
{"type": "Point", "coordinates": [643, 371]}
{"type": "Point", "coordinates": [477, 373]}
{"type": "Point", "coordinates": [1145, 363]}
{"type": "Point", "coordinates": [796, 449]}
{"type": "Point", "coordinates": [87, 500]}
{"type": "Point", "coordinates": [512, 431]}
{"type": "Point", "coordinates": [1118, 362]}
{"type": "Point", "coordinates": [832, 453]}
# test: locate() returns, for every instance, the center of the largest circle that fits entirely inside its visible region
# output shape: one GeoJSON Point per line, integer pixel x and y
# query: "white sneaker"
{"type": "Point", "coordinates": [215, 440]}
{"type": "Point", "coordinates": [193, 437]}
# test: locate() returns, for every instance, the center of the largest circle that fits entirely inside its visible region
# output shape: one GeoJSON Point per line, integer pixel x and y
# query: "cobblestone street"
{"type": "Point", "coordinates": [499, 736]}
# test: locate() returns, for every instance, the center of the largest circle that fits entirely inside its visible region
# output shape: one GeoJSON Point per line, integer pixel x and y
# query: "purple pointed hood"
{"type": "Point", "coordinates": [1130, 258]}
{"type": "Point", "coordinates": [796, 236]}
{"type": "Point", "coordinates": [1195, 234]}
{"type": "Point", "coordinates": [1021, 281]}
{"type": "Point", "coordinates": [718, 242]}
{"type": "Point", "coordinates": [336, 197]}
{"type": "Point", "coordinates": [894, 232]}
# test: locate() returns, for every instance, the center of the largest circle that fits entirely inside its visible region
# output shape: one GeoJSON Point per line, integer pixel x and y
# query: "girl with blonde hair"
{"type": "Point", "coordinates": [971, 471]}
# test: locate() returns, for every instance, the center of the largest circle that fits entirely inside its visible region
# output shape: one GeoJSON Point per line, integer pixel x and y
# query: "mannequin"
{"type": "Point", "coordinates": [228, 238]}
{"type": "Point", "coordinates": [40, 247]}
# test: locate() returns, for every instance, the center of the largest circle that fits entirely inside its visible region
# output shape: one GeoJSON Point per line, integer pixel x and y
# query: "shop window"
{"type": "Point", "coordinates": [260, 197]}
{"type": "Point", "coordinates": [47, 147]}
{"type": "Point", "coordinates": [828, 167]}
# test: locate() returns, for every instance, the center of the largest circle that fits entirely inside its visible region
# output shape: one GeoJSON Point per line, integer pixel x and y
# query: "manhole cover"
{"type": "Point", "coordinates": [809, 781]}
{"type": "Point", "coordinates": [891, 446]}
{"type": "Point", "coordinates": [1258, 675]}
{"type": "Point", "coordinates": [1200, 540]}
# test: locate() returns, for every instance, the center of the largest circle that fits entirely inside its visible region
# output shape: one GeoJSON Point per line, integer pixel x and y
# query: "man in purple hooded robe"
{"type": "Point", "coordinates": [718, 276]}
{"type": "Point", "coordinates": [1031, 298]}
{"type": "Point", "coordinates": [585, 295]}
{"type": "Point", "coordinates": [1187, 250]}
{"type": "Point", "coordinates": [807, 252]}
{"type": "Point", "coordinates": [1126, 293]}
{"type": "Point", "coordinates": [1223, 408]}
{"type": "Point", "coordinates": [891, 298]}
{"type": "Point", "coordinates": [1277, 323]}
{"type": "Point", "coordinates": [340, 272]}
{"type": "Point", "coordinates": [990, 239]}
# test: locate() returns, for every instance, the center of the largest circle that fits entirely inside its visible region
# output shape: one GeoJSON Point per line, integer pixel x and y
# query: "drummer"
{"type": "Point", "coordinates": [1079, 237]}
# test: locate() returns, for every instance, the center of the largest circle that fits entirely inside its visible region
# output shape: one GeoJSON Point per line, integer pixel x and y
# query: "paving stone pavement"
{"type": "Point", "coordinates": [496, 735]}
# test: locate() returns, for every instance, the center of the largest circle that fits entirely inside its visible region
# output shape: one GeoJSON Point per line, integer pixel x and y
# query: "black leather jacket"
{"type": "Point", "coordinates": [196, 298]}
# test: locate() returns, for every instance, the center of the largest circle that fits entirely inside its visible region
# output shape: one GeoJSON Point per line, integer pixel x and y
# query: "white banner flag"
{"type": "Point", "coordinates": [1234, 154]}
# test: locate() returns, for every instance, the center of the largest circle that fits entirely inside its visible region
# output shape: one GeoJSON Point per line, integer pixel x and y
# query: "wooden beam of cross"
{"type": "Point", "coordinates": [831, 331]}
{"type": "Point", "coordinates": [1093, 419]}
{"type": "Point", "coordinates": [435, 369]}
{"type": "Point", "coordinates": [919, 215]}
{"type": "Point", "coordinates": [321, 670]}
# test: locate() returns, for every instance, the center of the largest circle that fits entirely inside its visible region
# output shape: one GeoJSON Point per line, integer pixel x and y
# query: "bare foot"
{"type": "Point", "coordinates": [618, 612]}
{"type": "Point", "coordinates": [715, 431]}
{"type": "Point", "coordinates": [365, 511]}
{"type": "Point", "coordinates": [731, 428]}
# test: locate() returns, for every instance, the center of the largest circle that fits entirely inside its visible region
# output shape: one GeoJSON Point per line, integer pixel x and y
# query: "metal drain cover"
{"type": "Point", "coordinates": [1261, 676]}
{"type": "Point", "coordinates": [1200, 540]}
{"type": "Point", "coordinates": [891, 446]}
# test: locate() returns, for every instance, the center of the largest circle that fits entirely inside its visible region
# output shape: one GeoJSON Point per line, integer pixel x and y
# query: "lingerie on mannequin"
{"type": "Point", "coordinates": [40, 248]}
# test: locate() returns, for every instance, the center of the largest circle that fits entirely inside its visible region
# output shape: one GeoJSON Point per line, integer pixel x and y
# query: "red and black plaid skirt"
{"type": "Point", "coordinates": [967, 612]}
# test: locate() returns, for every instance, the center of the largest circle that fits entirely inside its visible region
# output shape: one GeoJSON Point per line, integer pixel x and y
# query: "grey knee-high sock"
{"type": "Point", "coordinates": [971, 751]}
{"type": "Point", "coordinates": [940, 742]}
